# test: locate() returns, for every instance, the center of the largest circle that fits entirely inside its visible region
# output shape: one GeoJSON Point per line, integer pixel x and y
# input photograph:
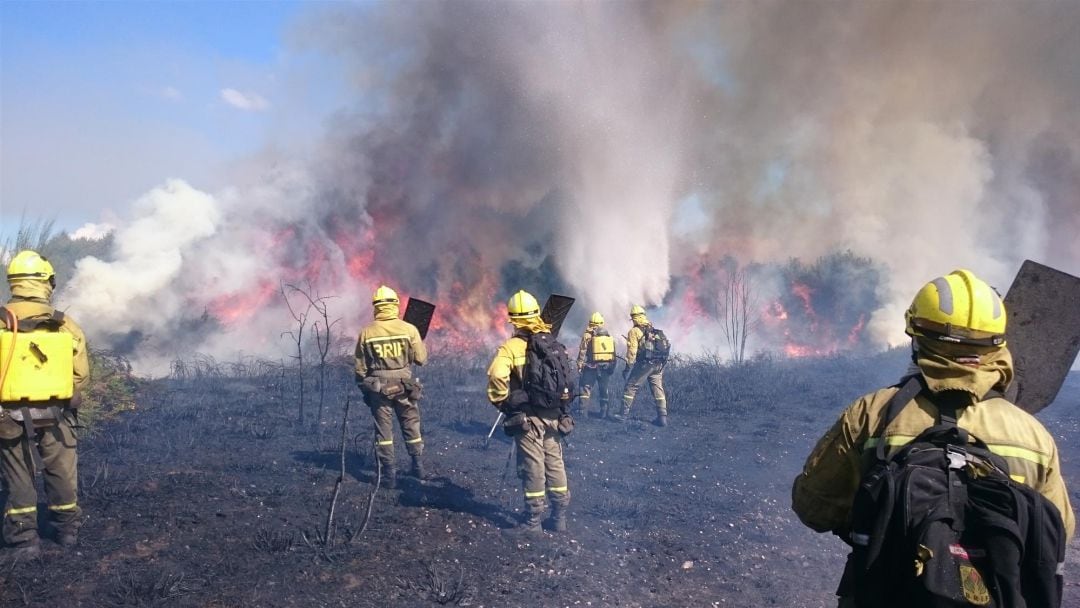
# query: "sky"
{"type": "Point", "coordinates": [101, 101]}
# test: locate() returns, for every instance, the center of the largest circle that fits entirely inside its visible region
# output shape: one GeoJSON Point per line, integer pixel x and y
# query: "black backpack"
{"type": "Point", "coordinates": [655, 346]}
{"type": "Point", "coordinates": [941, 523]}
{"type": "Point", "coordinates": [550, 377]}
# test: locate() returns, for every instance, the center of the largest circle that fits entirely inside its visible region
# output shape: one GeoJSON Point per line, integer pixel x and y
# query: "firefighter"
{"type": "Point", "coordinates": [385, 352]}
{"type": "Point", "coordinates": [957, 325]}
{"type": "Point", "coordinates": [37, 432]}
{"type": "Point", "coordinates": [596, 362]}
{"type": "Point", "coordinates": [536, 431]}
{"type": "Point", "coordinates": [639, 368]}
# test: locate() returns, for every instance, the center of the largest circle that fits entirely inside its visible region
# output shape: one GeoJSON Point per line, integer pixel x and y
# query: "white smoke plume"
{"type": "Point", "coordinates": [554, 146]}
{"type": "Point", "coordinates": [137, 287]}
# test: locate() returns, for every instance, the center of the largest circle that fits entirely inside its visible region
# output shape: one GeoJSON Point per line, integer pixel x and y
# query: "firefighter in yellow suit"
{"type": "Point", "coordinates": [32, 280]}
{"type": "Point", "coordinates": [638, 370]}
{"type": "Point", "coordinates": [596, 362]}
{"type": "Point", "coordinates": [536, 431]}
{"type": "Point", "coordinates": [385, 353]}
{"type": "Point", "coordinates": [957, 323]}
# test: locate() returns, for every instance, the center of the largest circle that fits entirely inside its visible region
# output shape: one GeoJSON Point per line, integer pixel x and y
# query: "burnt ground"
{"type": "Point", "coordinates": [211, 495]}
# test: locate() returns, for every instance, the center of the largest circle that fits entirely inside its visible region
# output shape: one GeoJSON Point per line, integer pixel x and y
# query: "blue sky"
{"type": "Point", "coordinates": [101, 101]}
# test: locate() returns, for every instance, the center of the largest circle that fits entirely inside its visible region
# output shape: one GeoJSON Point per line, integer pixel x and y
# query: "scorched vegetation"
{"type": "Point", "coordinates": [210, 493]}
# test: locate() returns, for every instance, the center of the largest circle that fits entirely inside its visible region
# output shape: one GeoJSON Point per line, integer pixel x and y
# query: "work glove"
{"type": "Point", "coordinates": [515, 424]}
{"type": "Point", "coordinates": [566, 424]}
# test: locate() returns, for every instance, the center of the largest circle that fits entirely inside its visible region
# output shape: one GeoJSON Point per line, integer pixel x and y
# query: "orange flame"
{"type": "Point", "coordinates": [235, 307]}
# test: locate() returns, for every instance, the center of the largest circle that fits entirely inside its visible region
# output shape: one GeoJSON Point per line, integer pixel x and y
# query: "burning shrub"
{"type": "Point", "coordinates": [112, 389]}
{"type": "Point", "coordinates": [823, 307]}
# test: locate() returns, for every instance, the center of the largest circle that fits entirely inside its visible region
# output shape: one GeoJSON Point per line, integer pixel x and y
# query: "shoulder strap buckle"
{"type": "Point", "coordinates": [958, 457]}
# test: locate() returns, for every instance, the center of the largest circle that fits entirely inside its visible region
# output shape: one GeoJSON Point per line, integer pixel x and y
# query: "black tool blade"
{"type": "Point", "coordinates": [419, 313]}
{"type": "Point", "coordinates": [555, 310]}
{"type": "Point", "coordinates": [1043, 333]}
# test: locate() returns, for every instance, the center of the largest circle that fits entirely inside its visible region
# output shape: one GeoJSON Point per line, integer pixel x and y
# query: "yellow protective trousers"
{"type": "Point", "coordinates": [642, 371]}
{"type": "Point", "coordinates": [600, 377]}
{"type": "Point", "coordinates": [540, 464]}
{"type": "Point", "coordinates": [57, 445]}
{"type": "Point", "coordinates": [384, 409]}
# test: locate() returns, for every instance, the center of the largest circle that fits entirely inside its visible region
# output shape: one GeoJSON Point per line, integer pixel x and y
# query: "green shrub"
{"type": "Point", "coordinates": [112, 389]}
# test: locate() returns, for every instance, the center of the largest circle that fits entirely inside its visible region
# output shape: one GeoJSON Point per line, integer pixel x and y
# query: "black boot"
{"type": "Point", "coordinates": [661, 412]}
{"type": "Point", "coordinates": [418, 470]}
{"type": "Point", "coordinates": [389, 478]}
{"type": "Point", "coordinates": [67, 538]}
{"type": "Point", "coordinates": [532, 525]}
{"type": "Point", "coordinates": [25, 552]}
{"type": "Point", "coordinates": [557, 523]}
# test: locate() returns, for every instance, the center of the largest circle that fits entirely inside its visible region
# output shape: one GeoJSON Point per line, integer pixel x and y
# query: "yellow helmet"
{"type": "Point", "coordinates": [384, 294]}
{"type": "Point", "coordinates": [596, 319]}
{"type": "Point", "coordinates": [636, 310]}
{"type": "Point", "coordinates": [959, 308]}
{"type": "Point", "coordinates": [522, 305]}
{"type": "Point", "coordinates": [30, 265]}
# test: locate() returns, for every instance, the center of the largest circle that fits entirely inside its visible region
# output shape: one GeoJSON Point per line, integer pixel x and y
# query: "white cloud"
{"type": "Point", "coordinates": [171, 93]}
{"type": "Point", "coordinates": [249, 102]}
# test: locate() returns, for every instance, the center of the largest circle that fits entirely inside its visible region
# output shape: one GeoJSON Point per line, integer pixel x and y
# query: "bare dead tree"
{"type": "Point", "coordinates": [297, 336]}
{"type": "Point", "coordinates": [329, 533]}
{"type": "Point", "coordinates": [323, 338]}
{"type": "Point", "coordinates": [371, 496]}
{"type": "Point", "coordinates": [739, 315]}
{"type": "Point", "coordinates": [281, 386]}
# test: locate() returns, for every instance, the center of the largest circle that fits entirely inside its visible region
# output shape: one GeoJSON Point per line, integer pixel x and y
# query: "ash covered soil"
{"type": "Point", "coordinates": [212, 495]}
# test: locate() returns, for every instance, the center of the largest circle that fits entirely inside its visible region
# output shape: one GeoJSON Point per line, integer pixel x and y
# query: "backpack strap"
{"type": "Point", "coordinates": [946, 413]}
{"type": "Point", "coordinates": [910, 388]}
{"type": "Point", "coordinates": [949, 404]}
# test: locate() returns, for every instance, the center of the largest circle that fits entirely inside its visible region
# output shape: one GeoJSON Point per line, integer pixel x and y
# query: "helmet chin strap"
{"type": "Point", "coordinates": [969, 360]}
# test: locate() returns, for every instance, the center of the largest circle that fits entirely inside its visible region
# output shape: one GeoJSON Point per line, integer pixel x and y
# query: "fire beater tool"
{"type": "Point", "coordinates": [555, 310]}
{"type": "Point", "coordinates": [492, 431]}
{"type": "Point", "coordinates": [419, 313]}
{"type": "Point", "coordinates": [1043, 333]}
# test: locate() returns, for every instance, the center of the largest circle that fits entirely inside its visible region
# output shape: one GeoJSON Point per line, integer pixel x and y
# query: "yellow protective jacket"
{"type": "Point", "coordinates": [388, 346]}
{"type": "Point", "coordinates": [30, 301]}
{"type": "Point", "coordinates": [507, 370]}
{"type": "Point", "coordinates": [634, 338]}
{"type": "Point", "coordinates": [823, 493]}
